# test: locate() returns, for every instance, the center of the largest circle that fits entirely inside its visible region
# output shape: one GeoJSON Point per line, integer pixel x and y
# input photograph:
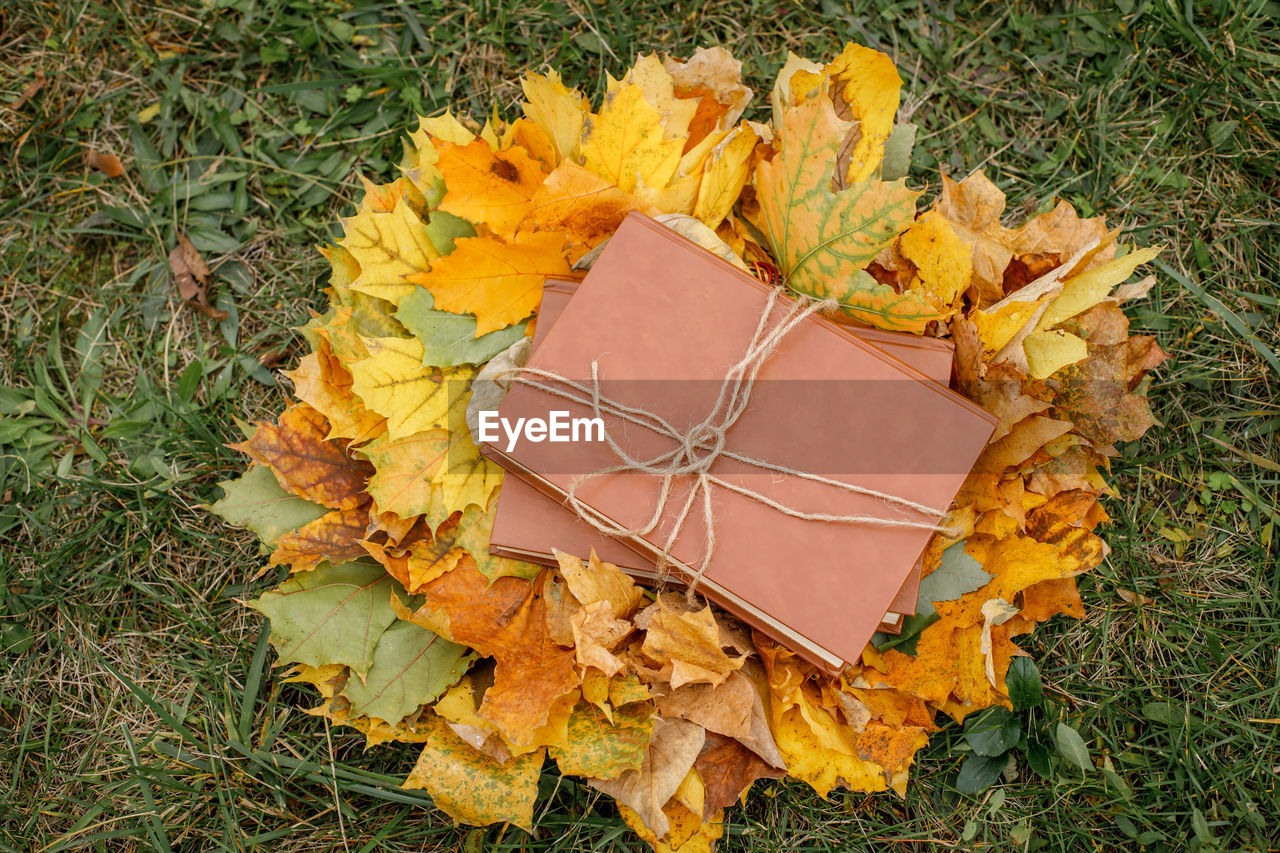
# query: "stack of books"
{"type": "Point", "coordinates": [663, 320]}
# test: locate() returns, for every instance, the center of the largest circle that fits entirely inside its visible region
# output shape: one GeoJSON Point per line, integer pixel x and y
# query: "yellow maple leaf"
{"type": "Point", "coordinates": [403, 471]}
{"type": "Point", "coordinates": [499, 282]}
{"type": "Point", "coordinates": [388, 246]}
{"type": "Point", "coordinates": [625, 142]}
{"type": "Point", "coordinates": [868, 86]}
{"type": "Point", "coordinates": [557, 110]}
{"type": "Point", "coordinates": [715, 77]}
{"type": "Point", "coordinates": [659, 89]}
{"type": "Point", "coordinates": [421, 158]}
{"type": "Point", "coordinates": [486, 186]}
{"type": "Point", "coordinates": [941, 259]}
{"type": "Point", "coordinates": [393, 383]}
{"type": "Point", "coordinates": [724, 176]}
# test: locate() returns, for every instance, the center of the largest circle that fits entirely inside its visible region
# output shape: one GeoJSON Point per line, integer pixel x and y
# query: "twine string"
{"type": "Point", "coordinates": [696, 449]}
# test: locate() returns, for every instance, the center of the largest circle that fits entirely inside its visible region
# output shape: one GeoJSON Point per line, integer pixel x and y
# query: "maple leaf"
{"type": "Point", "coordinates": [421, 158]}
{"type": "Point", "coordinates": [724, 175]}
{"type": "Point", "coordinates": [505, 621]}
{"type": "Point", "coordinates": [486, 186]}
{"type": "Point", "coordinates": [689, 642]}
{"type": "Point", "coordinates": [687, 832]}
{"type": "Point", "coordinates": [584, 205]}
{"type": "Point", "coordinates": [816, 747]}
{"type": "Point", "coordinates": [434, 473]}
{"type": "Point", "coordinates": [498, 282]}
{"type": "Point", "coordinates": [973, 207]}
{"type": "Point", "coordinates": [403, 470]}
{"type": "Point", "coordinates": [558, 111]}
{"type": "Point", "coordinates": [596, 581]}
{"type": "Point", "coordinates": [940, 257]}
{"type": "Point", "coordinates": [714, 78]}
{"type": "Point", "coordinates": [626, 143]}
{"type": "Point", "coordinates": [658, 88]}
{"type": "Point", "coordinates": [334, 614]}
{"type": "Point", "coordinates": [824, 239]}
{"type": "Point", "coordinates": [411, 667]}
{"type": "Point", "coordinates": [321, 381]}
{"type": "Point", "coordinates": [450, 339]}
{"type": "Point", "coordinates": [418, 561]}
{"type": "Point", "coordinates": [472, 787]}
{"type": "Point", "coordinates": [304, 462]}
{"type": "Point", "coordinates": [334, 537]}
{"type": "Point", "coordinates": [734, 708]}
{"type": "Point", "coordinates": [868, 85]}
{"type": "Point", "coordinates": [1097, 393]}
{"type": "Point", "coordinates": [389, 246]}
{"type": "Point", "coordinates": [393, 383]}
{"type": "Point", "coordinates": [257, 501]}
{"type": "Point", "coordinates": [674, 747]}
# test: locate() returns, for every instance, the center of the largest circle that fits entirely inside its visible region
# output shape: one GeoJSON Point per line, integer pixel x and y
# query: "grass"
{"type": "Point", "coordinates": [138, 710]}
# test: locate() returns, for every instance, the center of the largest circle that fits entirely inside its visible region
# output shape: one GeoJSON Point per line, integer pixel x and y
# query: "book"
{"type": "Point", "coordinates": [529, 525]}
{"type": "Point", "coordinates": [661, 320]}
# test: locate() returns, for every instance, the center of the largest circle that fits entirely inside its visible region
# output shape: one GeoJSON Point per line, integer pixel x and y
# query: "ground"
{"type": "Point", "coordinates": [138, 709]}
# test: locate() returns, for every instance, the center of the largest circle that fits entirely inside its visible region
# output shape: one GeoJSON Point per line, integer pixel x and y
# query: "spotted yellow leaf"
{"type": "Point", "coordinates": [470, 786]}
{"type": "Point", "coordinates": [867, 84]}
{"type": "Point", "coordinates": [486, 186]}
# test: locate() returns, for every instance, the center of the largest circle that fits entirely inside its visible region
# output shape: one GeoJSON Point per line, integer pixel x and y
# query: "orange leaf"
{"type": "Point", "coordinates": [304, 462]}
{"type": "Point", "coordinates": [483, 185]}
{"type": "Point", "coordinates": [583, 204]}
{"type": "Point", "coordinates": [506, 621]}
{"type": "Point", "coordinates": [334, 536]}
{"type": "Point", "coordinates": [501, 283]}
{"type": "Point", "coordinates": [107, 164]}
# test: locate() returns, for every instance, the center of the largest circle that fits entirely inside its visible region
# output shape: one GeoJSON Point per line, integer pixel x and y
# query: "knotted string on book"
{"type": "Point", "coordinates": [696, 449]}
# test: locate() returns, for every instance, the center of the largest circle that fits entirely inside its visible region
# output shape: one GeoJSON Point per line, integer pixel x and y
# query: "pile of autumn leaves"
{"type": "Point", "coordinates": [370, 489]}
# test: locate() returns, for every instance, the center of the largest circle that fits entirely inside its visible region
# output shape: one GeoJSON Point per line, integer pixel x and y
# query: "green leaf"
{"type": "Point", "coordinates": [897, 152]}
{"type": "Point", "coordinates": [1072, 747]}
{"type": "Point", "coordinates": [449, 339]}
{"type": "Point", "coordinates": [257, 501]}
{"type": "Point", "coordinates": [905, 642]}
{"type": "Point", "coordinates": [332, 614]}
{"type": "Point", "coordinates": [1038, 759]}
{"type": "Point", "coordinates": [15, 639]}
{"type": "Point", "coordinates": [445, 228]}
{"type": "Point", "coordinates": [1162, 712]}
{"type": "Point", "coordinates": [1023, 684]}
{"type": "Point", "coordinates": [411, 667]}
{"type": "Point", "coordinates": [979, 772]}
{"type": "Point", "coordinates": [993, 732]}
{"type": "Point", "coordinates": [956, 575]}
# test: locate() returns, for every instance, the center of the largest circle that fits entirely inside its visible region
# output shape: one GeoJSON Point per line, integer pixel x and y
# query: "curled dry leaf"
{"type": "Point", "coordinates": [190, 273]}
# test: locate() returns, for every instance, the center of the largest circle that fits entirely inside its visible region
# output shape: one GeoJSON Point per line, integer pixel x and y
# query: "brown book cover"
{"type": "Point", "coordinates": [664, 319]}
{"type": "Point", "coordinates": [529, 525]}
